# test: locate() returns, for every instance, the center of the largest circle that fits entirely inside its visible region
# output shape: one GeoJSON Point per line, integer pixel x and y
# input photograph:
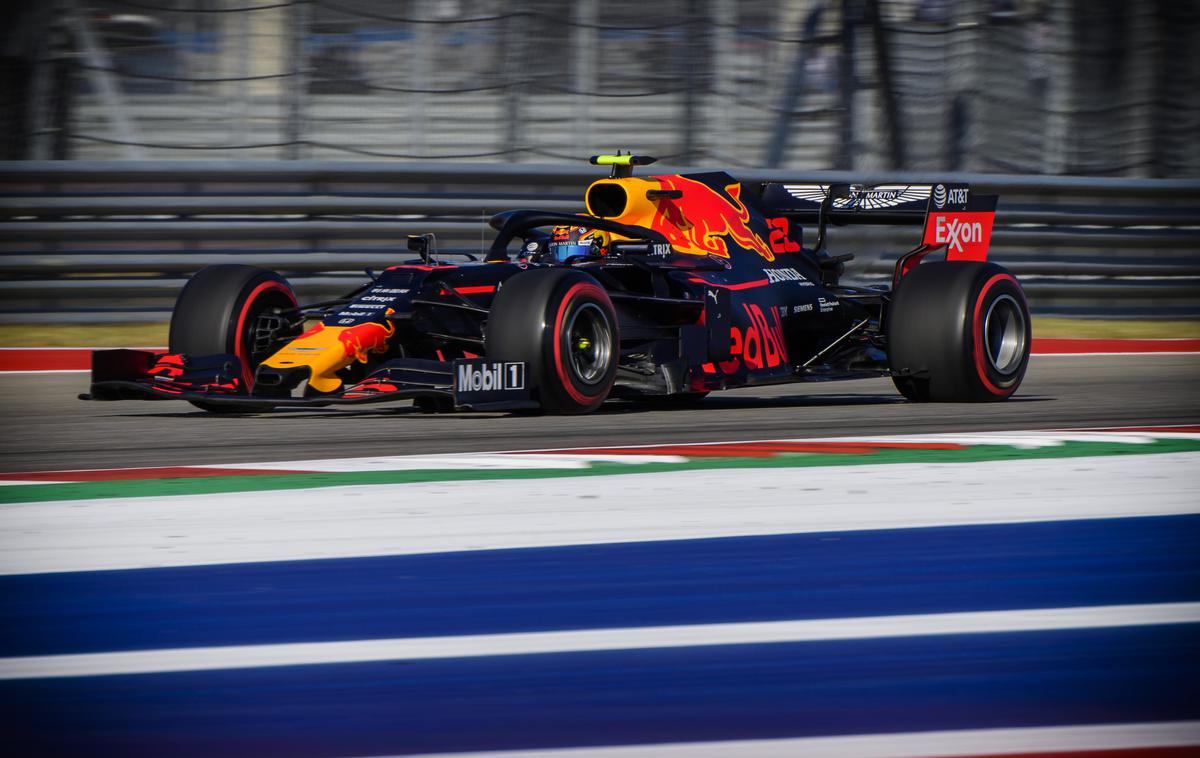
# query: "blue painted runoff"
{"type": "Point", "coordinates": [790, 576]}
{"type": "Point", "coordinates": [976, 681]}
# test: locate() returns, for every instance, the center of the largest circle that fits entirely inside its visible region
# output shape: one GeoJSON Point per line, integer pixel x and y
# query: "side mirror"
{"type": "Point", "coordinates": [424, 245]}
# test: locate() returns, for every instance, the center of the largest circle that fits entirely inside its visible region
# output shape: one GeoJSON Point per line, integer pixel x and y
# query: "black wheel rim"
{"type": "Point", "coordinates": [589, 343]}
{"type": "Point", "coordinates": [1004, 335]}
{"type": "Point", "coordinates": [261, 336]}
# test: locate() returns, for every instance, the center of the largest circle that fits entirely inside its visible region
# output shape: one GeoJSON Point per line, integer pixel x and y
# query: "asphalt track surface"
{"type": "Point", "coordinates": [46, 427]}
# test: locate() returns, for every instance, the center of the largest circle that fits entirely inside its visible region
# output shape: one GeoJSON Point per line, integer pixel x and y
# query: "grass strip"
{"type": "Point", "coordinates": [31, 493]}
{"type": "Point", "coordinates": [83, 335]}
{"type": "Point", "coordinates": [1072, 328]}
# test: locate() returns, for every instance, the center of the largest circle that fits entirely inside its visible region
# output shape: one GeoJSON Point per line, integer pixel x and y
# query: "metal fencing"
{"type": "Point", "coordinates": [1068, 87]}
{"type": "Point", "coordinates": [115, 240]}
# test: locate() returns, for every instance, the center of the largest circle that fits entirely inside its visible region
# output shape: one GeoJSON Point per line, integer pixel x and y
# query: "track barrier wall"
{"type": "Point", "coordinates": [115, 240]}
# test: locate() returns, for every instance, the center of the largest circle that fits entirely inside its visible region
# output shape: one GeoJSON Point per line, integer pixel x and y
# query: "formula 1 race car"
{"type": "Point", "coordinates": [669, 287]}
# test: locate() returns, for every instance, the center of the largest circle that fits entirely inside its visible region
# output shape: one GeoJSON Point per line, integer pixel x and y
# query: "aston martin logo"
{"type": "Point", "coordinates": [883, 196]}
{"type": "Point", "coordinates": [812, 192]}
{"type": "Point", "coordinates": [866, 198]}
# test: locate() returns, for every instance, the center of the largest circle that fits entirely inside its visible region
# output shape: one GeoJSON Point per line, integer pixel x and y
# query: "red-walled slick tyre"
{"type": "Point", "coordinates": [562, 323]}
{"type": "Point", "coordinates": [217, 312]}
{"type": "Point", "coordinates": [958, 331]}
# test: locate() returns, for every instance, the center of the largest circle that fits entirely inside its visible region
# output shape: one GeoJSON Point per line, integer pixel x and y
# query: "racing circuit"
{"type": "Point", "coordinates": [748, 544]}
{"type": "Point", "coordinates": [361, 583]}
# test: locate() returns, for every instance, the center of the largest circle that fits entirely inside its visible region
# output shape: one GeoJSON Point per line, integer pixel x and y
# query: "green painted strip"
{"type": "Point", "coordinates": [30, 493]}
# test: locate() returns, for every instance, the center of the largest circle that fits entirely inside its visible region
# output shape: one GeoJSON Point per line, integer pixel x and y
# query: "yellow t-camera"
{"type": "Point", "coordinates": [622, 164]}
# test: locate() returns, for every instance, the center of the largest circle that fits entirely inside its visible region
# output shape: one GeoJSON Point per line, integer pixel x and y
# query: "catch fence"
{"type": "Point", "coordinates": [1068, 87]}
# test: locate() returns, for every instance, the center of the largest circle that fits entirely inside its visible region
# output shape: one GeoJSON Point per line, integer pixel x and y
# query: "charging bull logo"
{"type": "Point", "coordinates": [701, 222]}
{"type": "Point", "coordinates": [358, 341]}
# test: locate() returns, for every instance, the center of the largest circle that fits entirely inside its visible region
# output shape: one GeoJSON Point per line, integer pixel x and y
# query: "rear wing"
{"type": "Point", "coordinates": [950, 215]}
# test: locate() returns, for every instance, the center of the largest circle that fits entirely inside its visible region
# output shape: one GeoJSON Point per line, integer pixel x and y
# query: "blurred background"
{"type": "Point", "coordinates": [144, 139]}
{"type": "Point", "coordinates": [1094, 88]}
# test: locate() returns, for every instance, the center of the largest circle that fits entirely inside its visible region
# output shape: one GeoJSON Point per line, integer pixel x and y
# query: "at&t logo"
{"type": "Point", "coordinates": [939, 196]}
{"type": "Point", "coordinates": [943, 196]}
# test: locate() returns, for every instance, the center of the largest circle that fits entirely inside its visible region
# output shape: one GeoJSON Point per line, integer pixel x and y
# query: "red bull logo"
{"type": "Point", "coordinates": [762, 344]}
{"type": "Point", "coordinates": [358, 341]}
{"type": "Point", "coordinates": [704, 220]}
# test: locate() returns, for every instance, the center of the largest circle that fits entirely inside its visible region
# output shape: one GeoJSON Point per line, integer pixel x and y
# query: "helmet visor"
{"type": "Point", "coordinates": [561, 251]}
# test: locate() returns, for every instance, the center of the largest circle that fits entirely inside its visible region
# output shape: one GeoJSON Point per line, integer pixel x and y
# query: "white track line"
{"type": "Point", "coordinates": [431, 517]}
{"type": "Point", "coordinates": [47, 371]}
{"type": "Point", "coordinates": [458, 461]}
{"type": "Point", "coordinates": [990, 742]}
{"type": "Point", "coordinates": [592, 640]}
{"type": "Point", "coordinates": [553, 459]}
{"type": "Point", "coordinates": [572, 458]}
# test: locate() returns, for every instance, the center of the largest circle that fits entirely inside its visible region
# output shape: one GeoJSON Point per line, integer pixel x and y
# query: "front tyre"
{"type": "Point", "coordinates": [561, 323]}
{"type": "Point", "coordinates": [958, 331]}
{"type": "Point", "coordinates": [218, 312]}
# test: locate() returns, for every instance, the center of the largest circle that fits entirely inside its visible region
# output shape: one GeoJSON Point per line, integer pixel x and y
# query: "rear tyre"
{"type": "Point", "coordinates": [218, 311]}
{"type": "Point", "coordinates": [562, 323]}
{"type": "Point", "coordinates": [958, 331]}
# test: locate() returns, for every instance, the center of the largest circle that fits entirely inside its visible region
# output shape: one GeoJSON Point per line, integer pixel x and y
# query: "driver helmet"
{"type": "Point", "coordinates": [568, 241]}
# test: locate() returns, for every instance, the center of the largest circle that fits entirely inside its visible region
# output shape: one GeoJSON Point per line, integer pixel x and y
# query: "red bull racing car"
{"type": "Point", "coordinates": [669, 286]}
